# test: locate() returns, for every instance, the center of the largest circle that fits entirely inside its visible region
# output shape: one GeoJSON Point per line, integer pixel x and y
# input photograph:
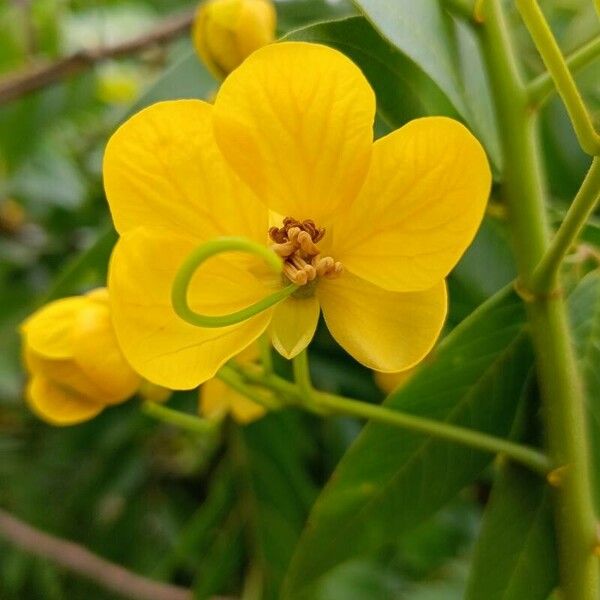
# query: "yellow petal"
{"type": "Point", "coordinates": [156, 342]}
{"type": "Point", "coordinates": [385, 331]}
{"type": "Point", "coordinates": [295, 121]}
{"type": "Point", "coordinates": [67, 374]}
{"type": "Point", "coordinates": [419, 209]}
{"type": "Point", "coordinates": [97, 353]}
{"type": "Point", "coordinates": [218, 399]}
{"type": "Point", "coordinates": [294, 325]}
{"type": "Point", "coordinates": [48, 331]}
{"type": "Point", "coordinates": [59, 406]}
{"type": "Point", "coordinates": [163, 169]}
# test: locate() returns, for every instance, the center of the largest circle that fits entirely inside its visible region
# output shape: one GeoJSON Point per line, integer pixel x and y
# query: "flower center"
{"type": "Point", "coordinates": [296, 243]}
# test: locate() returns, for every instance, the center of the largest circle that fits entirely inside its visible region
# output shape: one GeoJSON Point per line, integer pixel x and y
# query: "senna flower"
{"type": "Point", "coordinates": [75, 365]}
{"type": "Point", "coordinates": [225, 32]}
{"type": "Point", "coordinates": [217, 399]}
{"type": "Point", "coordinates": [366, 231]}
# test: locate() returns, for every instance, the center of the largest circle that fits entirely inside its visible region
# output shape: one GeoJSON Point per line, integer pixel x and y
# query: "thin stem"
{"type": "Point", "coordinates": [78, 559]}
{"type": "Point", "coordinates": [545, 274]}
{"type": "Point", "coordinates": [529, 457]}
{"type": "Point", "coordinates": [230, 376]}
{"type": "Point", "coordinates": [183, 278]}
{"type": "Point", "coordinates": [560, 386]}
{"type": "Point", "coordinates": [16, 85]}
{"type": "Point", "coordinates": [559, 71]}
{"type": "Point", "coordinates": [174, 417]}
{"type": "Point", "coordinates": [541, 87]}
{"type": "Point", "coordinates": [323, 403]}
{"type": "Point", "coordinates": [302, 373]}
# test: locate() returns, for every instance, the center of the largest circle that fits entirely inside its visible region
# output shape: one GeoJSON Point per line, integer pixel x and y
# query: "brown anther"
{"type": "Point", "coordinates": [296, 242]}
{"type": "Point", "coordinates": [299, 277]}
{"type": "Point", "coordinates": [306, 243]}
{"type": "Point", "coordinates": [285, 249]}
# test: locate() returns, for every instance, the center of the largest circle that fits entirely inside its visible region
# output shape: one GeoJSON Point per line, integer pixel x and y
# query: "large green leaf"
{"type": "Point", "coordinates": [389, 481]}
{"type": "Point", "coordinates": [403, 90]}
{"type": "Point", "coordinates": [422, 31]}
{"type": "Point", "coordinates": [584, 307]}
{"type": "Point", "coordinates": [515, 556]}
{"type": "Point", "coordinates": [447, 52]}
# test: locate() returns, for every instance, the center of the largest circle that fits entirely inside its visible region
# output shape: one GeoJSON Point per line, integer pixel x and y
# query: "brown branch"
{"type": "Point", "coordinates": [80, 560]}
{"type": "Point", "coordinates": [18, 84]}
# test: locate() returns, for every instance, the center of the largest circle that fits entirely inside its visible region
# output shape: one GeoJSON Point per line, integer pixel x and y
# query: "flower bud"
{"type": "Point", "coordinates": [217, 399]}
{"type": "Point", "coordinates": [225, 32]}
{"type": "Point", "coordinates": [76, 367]}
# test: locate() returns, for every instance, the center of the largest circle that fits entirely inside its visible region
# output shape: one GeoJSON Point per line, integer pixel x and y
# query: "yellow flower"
{"type": "Point", "coordinates": [286, 158]}
{"type": "Point", "coordinates": [75, 365]}
{"type": "Point", "coordinates": [217, 398]}
{"type": "Point", "coordinates": [225, 32]}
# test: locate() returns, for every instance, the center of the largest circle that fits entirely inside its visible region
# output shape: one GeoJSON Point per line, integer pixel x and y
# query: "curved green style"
{"type": "Point", "coordinates": [205, 251]}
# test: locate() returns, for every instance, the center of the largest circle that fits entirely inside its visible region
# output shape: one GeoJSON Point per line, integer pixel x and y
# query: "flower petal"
{"type": "Point", "coordinates": [159, 344]}
{"type": "Point", "coordinates": [420, 207]}
{"type": "Point", "coordinates": [218, 399]}
{"type": "Point", "coordinates": [66, 374]}
{"type": "Point", "coordinates": [162, 168]}
{"type": "Point", "coordinates": [295, 121]}
{"type": "Point", "coordinates": [386, 331]}
{"type": "Point", "coordinates": [294, 324]}
{"type": "Point", "coordinates": [97, 353]}
{"type": "Point", "coordinates": [57, 405]}
{"type": "Point", "coordinates": [48, 331]}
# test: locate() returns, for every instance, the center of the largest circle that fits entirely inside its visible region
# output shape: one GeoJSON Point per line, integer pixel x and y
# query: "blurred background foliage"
{"type": "Point", "coordinates": [218, 513]}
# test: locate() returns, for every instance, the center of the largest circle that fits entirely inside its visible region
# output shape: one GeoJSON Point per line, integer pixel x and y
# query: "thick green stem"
{"type": "Point", "coordinates": [546, 273]}
{"type": "Point", "coordinates": [558, 70]}
{"type": "Point", "coordinates": [543, 85]}
{"type": "Point", "coordinates": [559, 382]}
{"type": "Point", "coordinates": [323, 403]}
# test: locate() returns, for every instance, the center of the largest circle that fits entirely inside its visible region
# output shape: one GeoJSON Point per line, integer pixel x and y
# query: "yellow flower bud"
{"type": "Point", "coordinates": [225, 32]}
{"type": "Point", "coordinates": [216, 399]}
{"type": "Point", "coordinates": [75, 364]}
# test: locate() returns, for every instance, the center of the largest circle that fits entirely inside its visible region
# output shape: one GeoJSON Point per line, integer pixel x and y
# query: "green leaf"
{"type": "Point", "coordinates": [403, 90]}
{"type": "Point", "coordinates": [422, 32]}
{"type": "Point", "coordinates": [479, 107]}
{"type": "Point", "coordinates": [390, 481]}
{"type": "Point", "coordinates": [584, 308]}
{"type": "Point", "coordinates": [187, 78]}
{"type": "Point", "coordinates": [515, 557]}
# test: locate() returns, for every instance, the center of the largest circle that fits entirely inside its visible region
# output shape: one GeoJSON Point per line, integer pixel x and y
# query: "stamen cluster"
{"type": "Point", "coordinates": [296, 242]}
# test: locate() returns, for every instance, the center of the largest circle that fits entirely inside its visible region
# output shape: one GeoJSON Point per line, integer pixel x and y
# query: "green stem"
{"type": "Point", "coordinates": [529, 457]}
{"type": "Point", "coordinates": [183, 278]}
{"type": "Point", "coordinates": [231, 377]}
{"type": "Point", "coordinates": [545, 275]}
{"type": "Point", "coordinates": [559, 382]}
{"type": "Point", "coordinates": [302, 374]}
{"type": "Point", "coordinates": [174, 417]}
{"type": "Point", "coordinates": [555, 63]}
{"type": "Point", "coordinates": [543, 85]}
{"type": "Point", "coordinates": [323, 403]}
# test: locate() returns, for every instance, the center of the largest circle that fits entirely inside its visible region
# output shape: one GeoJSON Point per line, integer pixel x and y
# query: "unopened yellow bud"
{"type": "Point", "coordinates": [225, 32]}
{"type": "Point", "coordinates": [75, 364]}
